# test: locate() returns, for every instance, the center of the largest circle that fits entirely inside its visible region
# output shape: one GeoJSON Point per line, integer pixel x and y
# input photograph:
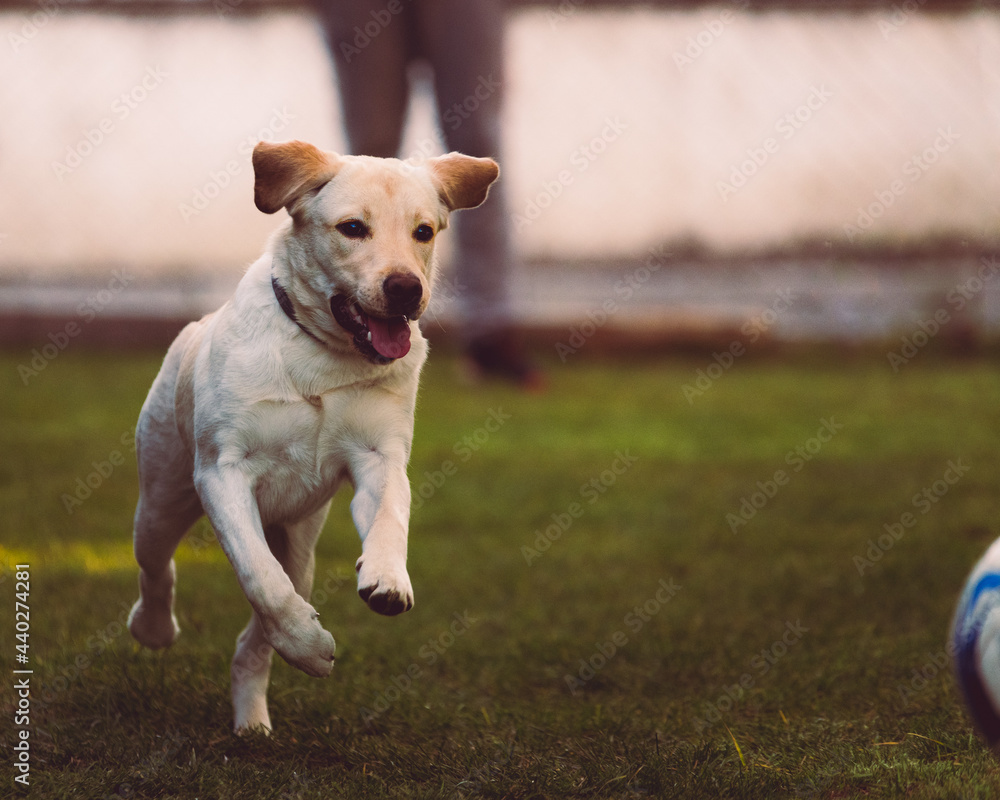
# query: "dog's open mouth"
{"type": "Point", "coordinates": [381, 340]}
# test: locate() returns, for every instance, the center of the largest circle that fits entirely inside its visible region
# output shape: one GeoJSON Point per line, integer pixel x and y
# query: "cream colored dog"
{"type": "Point", "coordinates": [306, 378]}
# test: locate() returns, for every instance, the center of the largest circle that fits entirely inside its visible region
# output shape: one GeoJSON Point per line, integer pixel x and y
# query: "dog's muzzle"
{"type": "Point", "coordinates": [381, 340]}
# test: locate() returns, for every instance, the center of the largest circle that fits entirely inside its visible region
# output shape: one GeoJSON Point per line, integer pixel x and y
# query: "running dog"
{"type": "Point", "coordinates": [305, 379]}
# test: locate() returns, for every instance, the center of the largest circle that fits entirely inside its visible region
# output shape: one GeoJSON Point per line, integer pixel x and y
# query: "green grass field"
{"type": "Point", "coordinates": [619, 593]}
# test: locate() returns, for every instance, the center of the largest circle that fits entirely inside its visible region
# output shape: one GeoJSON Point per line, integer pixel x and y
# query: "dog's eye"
{"type": "Point", "coordinates": [423, 233]}
{"type": "Point", "coordinates": [353, 229]}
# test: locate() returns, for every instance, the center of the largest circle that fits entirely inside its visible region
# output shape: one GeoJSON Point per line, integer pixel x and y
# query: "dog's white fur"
{"type": "Point", "coordinates": [255, 419]}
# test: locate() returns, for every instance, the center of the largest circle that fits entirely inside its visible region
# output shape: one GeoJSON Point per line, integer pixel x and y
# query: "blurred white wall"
{"type": "Point", "coordinates": [126, 140]}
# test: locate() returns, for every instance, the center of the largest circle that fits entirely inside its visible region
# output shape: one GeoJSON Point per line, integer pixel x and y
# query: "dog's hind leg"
{"type": "Point", "coordinates": [168, 506]}
{"type": "Point", "coordinates": [293, 545]}
{"type": "Point", "coordinates": [159, 528]}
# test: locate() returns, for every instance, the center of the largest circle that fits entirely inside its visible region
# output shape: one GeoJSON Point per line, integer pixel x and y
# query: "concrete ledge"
{"type": "Point", "coordinates": [653, 302]}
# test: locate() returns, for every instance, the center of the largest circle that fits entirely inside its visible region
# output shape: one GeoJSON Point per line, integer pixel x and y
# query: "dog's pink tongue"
{"type": "Point", "coordinates": [390, 337]}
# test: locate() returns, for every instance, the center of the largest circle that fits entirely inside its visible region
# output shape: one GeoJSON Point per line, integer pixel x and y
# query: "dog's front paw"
{"type": "Point", "coordinates": [386, 590]}
{"type": "Point", "coordinates": [298, 638]}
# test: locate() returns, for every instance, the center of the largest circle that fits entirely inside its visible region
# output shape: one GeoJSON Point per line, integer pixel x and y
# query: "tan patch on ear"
{"type": "Point", "coordinates": [283, 172]}
{"type": "Point", "coordinates": [462, 181]}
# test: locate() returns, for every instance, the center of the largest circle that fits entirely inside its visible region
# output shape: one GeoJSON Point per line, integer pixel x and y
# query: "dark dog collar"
{"type": "Point", "coordinates": [286, 305]}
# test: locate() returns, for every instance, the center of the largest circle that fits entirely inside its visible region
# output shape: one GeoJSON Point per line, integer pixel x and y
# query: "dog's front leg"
{"type": "Point", "coordinates": [289, 623]}
{"type": "Point", "coordinates": [381, 511]}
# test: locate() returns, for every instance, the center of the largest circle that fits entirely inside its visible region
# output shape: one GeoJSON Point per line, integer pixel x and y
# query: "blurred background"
{"type": "Point", "coordinates": [710, 155]}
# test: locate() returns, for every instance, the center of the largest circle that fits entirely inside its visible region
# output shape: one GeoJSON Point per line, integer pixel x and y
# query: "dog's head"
{"type": "Point", "coordinates": [361, 244]}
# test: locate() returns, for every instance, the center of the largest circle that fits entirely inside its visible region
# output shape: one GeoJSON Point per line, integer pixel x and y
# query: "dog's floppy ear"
{"type": "Point", "coordinates": [283, 172]}
{"type": "Point", "coordinates": [462, 181]}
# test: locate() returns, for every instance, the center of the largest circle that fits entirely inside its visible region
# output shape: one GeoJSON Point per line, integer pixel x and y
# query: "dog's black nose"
{"type": "Point", "coordinates": [403, 291]}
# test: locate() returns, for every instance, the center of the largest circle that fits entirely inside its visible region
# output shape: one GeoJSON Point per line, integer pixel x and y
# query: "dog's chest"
{"type": "Point", "coordinates": [297, 453]}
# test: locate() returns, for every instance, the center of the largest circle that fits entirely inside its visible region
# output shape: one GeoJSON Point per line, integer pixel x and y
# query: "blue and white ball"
{"type": "Point", "coordinates": [975, 643]}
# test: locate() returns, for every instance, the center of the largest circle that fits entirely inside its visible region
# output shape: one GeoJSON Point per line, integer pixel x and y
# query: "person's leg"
{"type": "Point", "coordinates": [371, 71]}
{"type": "Point", "coordinates": [463, 42]}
